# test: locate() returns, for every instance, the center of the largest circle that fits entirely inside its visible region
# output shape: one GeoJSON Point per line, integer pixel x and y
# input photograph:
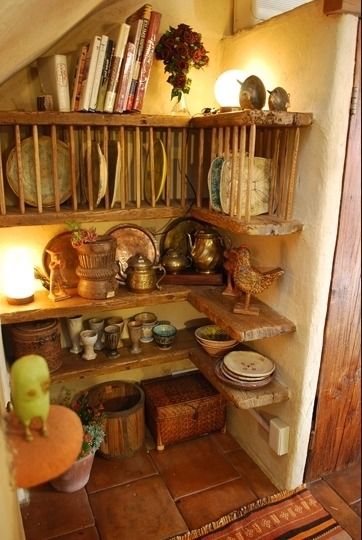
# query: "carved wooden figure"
{"type": "Point", "coordinates": [30, 382]}
{"type": "Point", "coordinates": [248, 279]}
{"type": "Point", "coordinates": [56, 265]}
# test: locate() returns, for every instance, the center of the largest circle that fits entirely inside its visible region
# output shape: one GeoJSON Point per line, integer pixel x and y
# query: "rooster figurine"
{"type": "Point", "coordinates": [249, 280]}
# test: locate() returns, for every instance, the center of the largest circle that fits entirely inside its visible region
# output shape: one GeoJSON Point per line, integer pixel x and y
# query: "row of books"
{"type": "Point", "coordinates": [111, 74]}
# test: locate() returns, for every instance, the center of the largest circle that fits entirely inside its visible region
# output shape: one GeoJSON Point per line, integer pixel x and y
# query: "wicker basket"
{"type": "Point", "coordinates": [182, 407]}
{"type": "Point", "coordinates": [38, 337]}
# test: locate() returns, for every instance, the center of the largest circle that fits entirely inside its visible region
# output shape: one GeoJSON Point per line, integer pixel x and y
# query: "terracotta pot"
{"type": "Point", "coordinates": [76, 477]}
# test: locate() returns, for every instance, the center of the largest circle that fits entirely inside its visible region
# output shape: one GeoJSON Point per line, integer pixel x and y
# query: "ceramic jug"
{"type": "Point", "coordinates": [206, 251]}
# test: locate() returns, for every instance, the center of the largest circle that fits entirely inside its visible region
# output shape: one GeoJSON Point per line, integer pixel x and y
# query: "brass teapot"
{"type": "Point", "coordinates": [140, 275]}
{"type": "Point", "coordinates": [174, 261]}
{"type": "Point", "coordinates": [206, 251]}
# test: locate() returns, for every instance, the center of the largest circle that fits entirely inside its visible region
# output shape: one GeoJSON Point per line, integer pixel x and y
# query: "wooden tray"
{"type": "Point", "coordinates": [192, 278]}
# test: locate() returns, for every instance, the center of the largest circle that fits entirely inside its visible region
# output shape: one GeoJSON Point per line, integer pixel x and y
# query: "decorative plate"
{"type": "Point", "coordinates": [249, 363]}
{"type": "Point", "coordinates": [259, 188]}
{"type": "Point", "coordinates": [46, 176]}
{"type": "Point", "coordinates": [61, 243]}
{"type": "Point", "coordinates": [244, 378]}
{"type": "Point", "coordinates": [175, 235]}
{"type": "Point", "coordinates": [240, 384]}
{"type": "Point", "coordinates": [131, 240]}
{"type": "Point", "coordinates": [102, 175]}
{"type": "Point", "coordinates": [213, 181]}
{"type": "Point", "coordinates": [117, 176]}
{"type": "Point", "coordinates": [160, 170]}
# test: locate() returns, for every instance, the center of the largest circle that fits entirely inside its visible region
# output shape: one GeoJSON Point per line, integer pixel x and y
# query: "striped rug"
{"type": "Point", "coordinates": [287, 515]}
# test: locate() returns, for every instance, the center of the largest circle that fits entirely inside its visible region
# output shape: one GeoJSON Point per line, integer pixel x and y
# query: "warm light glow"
{"type": "Point", "coordinates": [227, 88]}
{"type": "Point", "coordinates": [18, 275]}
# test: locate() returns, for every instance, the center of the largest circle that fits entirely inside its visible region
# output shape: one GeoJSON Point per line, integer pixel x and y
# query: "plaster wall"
{"type": "Point", "coordinates": [310, 55]}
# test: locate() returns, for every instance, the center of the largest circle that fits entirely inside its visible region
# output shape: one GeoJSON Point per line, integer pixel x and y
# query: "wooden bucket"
{"type": "Point", "coordinates": [124, 409]}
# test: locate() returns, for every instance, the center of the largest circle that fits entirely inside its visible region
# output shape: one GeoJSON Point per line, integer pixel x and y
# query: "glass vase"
{"type": "Point", "coordinates": [179, 106]}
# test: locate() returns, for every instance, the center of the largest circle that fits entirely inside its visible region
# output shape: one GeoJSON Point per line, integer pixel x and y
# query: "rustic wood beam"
{"type": "Point", "coordinates": [335, 7]}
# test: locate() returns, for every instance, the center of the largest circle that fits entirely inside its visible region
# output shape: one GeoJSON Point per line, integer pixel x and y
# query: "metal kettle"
{"type": "Point", "coordinates": [206, 251]}
{"type": "Point", "coordinates": [140, 275]}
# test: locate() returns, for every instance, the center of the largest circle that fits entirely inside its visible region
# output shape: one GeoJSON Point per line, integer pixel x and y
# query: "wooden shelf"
{"type": "Point", "coordinates": [218, 307]}
{"type": "Point", "coordinates": [74, 367]}
{"type": "Point", "coordinates": [43, 308]}
{"type": "Point", "coordinates": [274, 392]}
{"type": "Point", "coordinates": [250, 117]}
{"type": "Point", "coordinates": [259, 225]}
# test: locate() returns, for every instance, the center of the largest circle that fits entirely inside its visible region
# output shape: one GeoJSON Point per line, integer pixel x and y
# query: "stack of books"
{"type": "Point", "coordinates": [112, 73]}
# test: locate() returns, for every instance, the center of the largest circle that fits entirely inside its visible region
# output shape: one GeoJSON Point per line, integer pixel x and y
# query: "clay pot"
{"type": "Point", "coordinates": [76, 477]}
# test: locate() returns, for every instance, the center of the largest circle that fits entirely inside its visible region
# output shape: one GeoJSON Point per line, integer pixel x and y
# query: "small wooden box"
{"type": "Point", "coordinates": [182, 407]}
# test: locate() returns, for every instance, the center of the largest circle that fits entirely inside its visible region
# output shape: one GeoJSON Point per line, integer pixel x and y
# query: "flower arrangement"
{"type": "Point", "coordinates": [181, 49]}
{"type": "Point", "coordinates": [92, 418]}
{"type": "Point", "coordinates": [81, 235]}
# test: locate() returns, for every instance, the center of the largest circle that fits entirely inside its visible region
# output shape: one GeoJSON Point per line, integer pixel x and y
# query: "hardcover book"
{"type": "Point", "coordinates": [98, 72]}
{"type": "Point", "coordinates": [147, 60]}
{"type": "Point", "coordinates": [105, 75]}
{"type": "Point", "coordinates": [89, 71]}
{"type": "Point", "coordinates": [116, 67]}
{"type": "Point", "coordinates": [125, 78]}
{"type": "Point", "coordinates": [78, 77]}
{"type": "Point", "coordinates": [53, 77]}
{"type": "Point", "coordinates": [143, 14]}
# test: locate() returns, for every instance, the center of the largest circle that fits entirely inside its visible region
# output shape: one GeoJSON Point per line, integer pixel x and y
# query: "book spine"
{"type": "Point", "coordinates": [53, 76]}
{"type": "Point", "coordinates": [147, 60]}
{"type": "Point", "coordinates": [90, 66]}
{"type": "Point", "coordinates": [115, 68]}
{"type": "Point", "coordinates": [138, 59]}
{"type": "Point", "coordinates": [78, 77]}
{"type": "Point", "coordinates": [98, 72]}
{"type": "Point", "coordinates": [105, 75]}
{"type": "Point", "coordinates": [62, 83]}
{"type": "Point", "coordinates": [125, 77]}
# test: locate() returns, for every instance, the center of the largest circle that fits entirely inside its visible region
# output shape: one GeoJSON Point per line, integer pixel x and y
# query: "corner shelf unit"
{"type": "Point", "coordinates": [127, 141]}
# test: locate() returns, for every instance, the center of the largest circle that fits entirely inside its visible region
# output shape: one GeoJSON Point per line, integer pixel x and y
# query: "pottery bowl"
{"type": "Point", "coordinates": [213, 335]}
{"type": "Point", "coordinates": [164, 335]}
{"type": "Point", "coordinates": [218, 350]}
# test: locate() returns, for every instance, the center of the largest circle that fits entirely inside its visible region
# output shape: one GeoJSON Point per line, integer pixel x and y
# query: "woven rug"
{"type": "Point", "coordinates": [287, 515]}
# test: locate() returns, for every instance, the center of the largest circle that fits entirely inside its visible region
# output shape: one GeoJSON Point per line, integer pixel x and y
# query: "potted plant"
{"type": "Point", "coordinates": [96, 262]}
{"type": "Point", "coordinates": [93, 419]}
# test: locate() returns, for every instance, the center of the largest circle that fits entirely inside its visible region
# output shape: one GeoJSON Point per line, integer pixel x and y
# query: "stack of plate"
{"type": "Point", "coordinates": [245, 369]}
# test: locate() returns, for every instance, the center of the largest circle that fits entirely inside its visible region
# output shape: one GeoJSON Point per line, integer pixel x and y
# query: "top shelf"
{"type": "Point", "coordinates": [253, 117]}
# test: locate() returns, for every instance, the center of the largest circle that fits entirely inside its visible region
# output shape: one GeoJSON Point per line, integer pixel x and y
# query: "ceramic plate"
{"type": "Point", "coordinates": [45, 156]}
{"type": "Point", "coordinates": [259, 188]}
{"type": "Point", "coordinates": [61, 244]}
{"type": "Point", "coordinates": [160, 170]}
{"type": "Point", "coordinates": [243, 378]}
{"type": "Point", "coordinates": [102, 176]}
{"type": "Point", "coordinates": [116, 197]}
{"type": "Point", "coordinates": [213, 181]}
{"type": "Point", "coordinates": [131, 240]}
{"type": "Point", "coordinates": [240, 384]}
{"type": "Point", "coordinates": [249, 363]}
{"type": "Point", "coordinates": [175, 235]}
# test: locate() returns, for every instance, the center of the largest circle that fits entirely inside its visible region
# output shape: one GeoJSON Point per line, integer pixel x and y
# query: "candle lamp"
{"type": "Point", "coordinates": [18, 276]}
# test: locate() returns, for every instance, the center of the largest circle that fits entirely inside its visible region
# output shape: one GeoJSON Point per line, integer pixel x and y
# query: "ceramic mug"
{"type": "Point", "coordinates": [148, 321]}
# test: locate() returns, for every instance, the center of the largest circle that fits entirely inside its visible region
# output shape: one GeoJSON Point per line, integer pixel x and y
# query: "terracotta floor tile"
{"type": "Point", "coordinates": [347, 483]}
{"type": "Point", "coordinates": [51, 513]}
{"type": "Point", "coordinates": [226, 441]}
{"type": "Point", "coordinates": [191, 466]}
{"type": "Point", "coordinates": [90, 533]}
{"type": "Point", "coordinates": [254, 476]}
{"type": "Point", "coordinates": [141, 510]}
{"type": "Point", "coordinates": [210, 505]}
{"type": "Point", "coordinates": [107, 473]}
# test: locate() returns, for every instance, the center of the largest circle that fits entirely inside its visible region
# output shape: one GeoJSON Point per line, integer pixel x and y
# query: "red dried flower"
{"type": "Point", "coordinates": [181, 49]}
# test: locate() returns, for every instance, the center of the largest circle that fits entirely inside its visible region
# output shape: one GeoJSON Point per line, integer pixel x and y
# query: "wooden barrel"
{"type": "Point", "coordinates": [124, 409]}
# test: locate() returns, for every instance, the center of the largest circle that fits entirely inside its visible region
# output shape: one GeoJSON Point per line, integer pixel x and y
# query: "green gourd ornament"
{"type": "Point", "coordinates": [30, 382]}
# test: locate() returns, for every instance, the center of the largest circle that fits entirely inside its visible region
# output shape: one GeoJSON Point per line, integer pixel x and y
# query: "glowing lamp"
{"type": "Point", "coordinates": [227, 89]}
{"type": "Point", "coordinates": [18, 276]}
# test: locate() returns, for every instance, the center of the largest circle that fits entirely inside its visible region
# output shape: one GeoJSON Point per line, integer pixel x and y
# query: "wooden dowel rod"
{"type": "Point", "coordinates": [236, 173]}
{"type": "Point", "coordinates": [37, 169]}
{"type": "Point", "coordinates": [138, 166]}
{"type": "Point", "coordinates": [105, 153]}
{"type": "Point", "coordinates": [169, 177]}
{"type": "Point", "coordinates": [183, 167]}
{"type": "Point", "coordinates": [220, 141]}
{"type": "Point", "coordinates": [250, 176]}
{"type": "Point", "coordinates": [123, 176]}
{"type": "Point", "coordinates": [152, 166]}
{"type": "Point", "coordinates": [200, 168]}
{"type": "Point", "coordinates": [2, 187]}
{"type": "Point", "coordinates": [274, 173]}
{"type": "Point", "coordinates": [241, 184]}
{"type": "Point", "coordinates": [19, 163]}
{"type": "Point", "coordinates": [53, 131]}
{"type": "Point", "coordinates": [213, 143]}
{"type": "Point", "coordinates": [292, 175]}
{"type": "Point", "coordinates": [73, 169]}
{"type": "Point", "coordinates": [282, 174]}
{"type": "Point", "coordinates": [89, 167]}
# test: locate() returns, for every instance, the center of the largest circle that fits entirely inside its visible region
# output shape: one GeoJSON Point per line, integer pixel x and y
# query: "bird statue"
{"type": "Point", "coordinates": [230, 258]}
{"type": "Point", "coordinates": [249, 280]}
{"type": "Point", "coordinates": [30, 382]}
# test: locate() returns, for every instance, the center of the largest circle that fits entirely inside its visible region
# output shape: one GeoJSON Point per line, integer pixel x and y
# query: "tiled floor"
{"type": "Point", "coordinates": [151, 496]}
{"type": "Point", "coordinates": [154, 495]}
